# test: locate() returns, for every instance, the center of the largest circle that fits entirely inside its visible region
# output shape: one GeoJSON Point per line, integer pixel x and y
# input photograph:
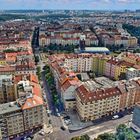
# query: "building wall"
{"type": "Point", "coordinates": [33, 117]}
{"type": "Point", "coordinates": [132, 74]}
{"type": "Point", "coordinates": [95, 64]}
{"type": "Point", "coordinates": [99, 65]}
{"type": "Point", "coordinates": [107, 71]}
{"type": "Point", "coordinates": [70, 104]}
{"type": "Point", "coordinates": [7, 92]}
{"type": "Point", "coordinates": [3, 62]}
{"type": "Point", "coordinates": [15, 124]}
{"type": "Point", "coordinates": [12, 124]}
{"type": "Point", "coordinates": [80, 64]}
{"type": "Point", "coordinates": [97, 109]}
{"type": "Point", "coordinates": [136, 116]}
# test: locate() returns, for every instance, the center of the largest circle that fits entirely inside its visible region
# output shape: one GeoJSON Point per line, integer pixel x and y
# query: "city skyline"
{"type": "Point", "coordinates": [70, 4]}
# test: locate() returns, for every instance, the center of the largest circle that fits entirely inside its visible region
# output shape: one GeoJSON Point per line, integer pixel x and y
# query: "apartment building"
{"type": "Point", "coordinates": [11, 120]}
{"type": "Point", "coordinates": [64, 37]}
{"type": "Point", "coordinates": [26, 113]}
{"type": "Point", "coordinates": [80, 62]}
{"type": "Point", "coordinates": [94, 101]}
{"type": "Point", "coordinates": [22, 116]}
{"type": "Point", "coordinates": [93, 105]}
{"type": "Point", "coordinates": [115, 68]}
{"type": "Point", "coordinates": [131, 58]}
{"type": "Point", "coordinates": [132, 73]}
{"type": "Point", "coordinates": [7, 70]}
{"type": "Point", "coordinates": [136, 116]}
{"type": "Point", "coordinates": [99, 62]}
{"type": "Point", "coordinates": [128, 96]}
{"type": "Point", "coordinates": [116, 37]}
{"type": "Point", "coordinates": [68, 88]}
{"type": "Point", "coordinates": [32, 110]}
{"type": "Point", "coordinates": [18, 63]}
{"type": "Point", "coordinates": [8, 91]}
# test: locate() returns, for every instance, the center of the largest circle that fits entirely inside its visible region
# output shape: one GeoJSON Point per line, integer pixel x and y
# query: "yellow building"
{"type": "Point", "coordinates": [121, 68]}
{"type": "Point", "coordinates": [133, 41]}
{"type": "Point", "coordinates": [99, 64]}
{"type": "Point", "coordinates": [3, 62]}
{"type": "Point", "coordinates": [118, 71]}
{"type": "Point", "coordinates": [95, 64]}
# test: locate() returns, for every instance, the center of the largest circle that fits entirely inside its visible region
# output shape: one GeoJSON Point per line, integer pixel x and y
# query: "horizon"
{"type": "Point", "coordinates": [68, 10]}
{"type": "Point", "coordinates": [70, 5]}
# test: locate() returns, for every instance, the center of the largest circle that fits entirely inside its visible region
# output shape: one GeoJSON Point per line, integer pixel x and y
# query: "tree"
{"type": "Point", "coordinates": [121, 128]}
{"type": "Point", "coordinates": [38, 72]}
{"type": "Point", "coordinates": [9, 51]}
{"type": "Point", "coordinates": [124, 133]}
{"type": "Point", "coordinates": [84, 137]}
{"type": "Point", "coordinates": [107, 136]}
{"type": "Point", "coordinates": [76, 138]}
{"type": "Point", "coordinates": [36, 59]}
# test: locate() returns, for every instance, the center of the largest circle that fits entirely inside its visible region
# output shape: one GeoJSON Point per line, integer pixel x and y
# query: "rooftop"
{"type": "Point", "coordinates": [131, 69]}
{"type": "Point", "coordinates": [9, 107]}
{"type": "Point", "coordinates": [96, 49]}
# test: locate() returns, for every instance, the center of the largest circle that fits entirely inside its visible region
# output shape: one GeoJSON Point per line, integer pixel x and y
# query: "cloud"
{"type": "Point", "coordinates": [69, 4]}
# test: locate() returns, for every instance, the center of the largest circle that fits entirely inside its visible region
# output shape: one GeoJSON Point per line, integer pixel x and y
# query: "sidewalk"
{"type": "Point", "coordinates": [76, 123]}
{"type": "Point", "coordinates": [47, 127]}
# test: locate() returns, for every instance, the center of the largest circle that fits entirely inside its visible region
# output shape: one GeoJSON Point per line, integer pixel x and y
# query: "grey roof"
{"type": "Point", "coordinates": [5, 77]}
{"type": "Point", "coordinates": [98, 83]}
{"type": "Point", "coordinates": [98, 49]}
{"type": "Point", "coordinates": [9, 107]}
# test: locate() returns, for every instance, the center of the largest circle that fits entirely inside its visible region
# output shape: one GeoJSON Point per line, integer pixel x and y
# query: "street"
{"type": "Point", "coordinates": [92, 131]}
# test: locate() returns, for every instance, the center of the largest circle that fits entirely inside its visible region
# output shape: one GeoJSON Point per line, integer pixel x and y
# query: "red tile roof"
{"type": "Point", "coordinates": [32, 102]}
{"type": "Point", "coordinates": [89, 96]}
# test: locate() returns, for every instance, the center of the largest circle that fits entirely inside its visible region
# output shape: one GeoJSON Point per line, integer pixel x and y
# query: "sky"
{"type": "Point", "coordinates": [71, 4]}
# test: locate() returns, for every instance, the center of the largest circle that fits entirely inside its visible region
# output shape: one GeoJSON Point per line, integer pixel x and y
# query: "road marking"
{"type": "Point", "coordinates": [92, 129]}
{"type": "Point", "coordinates": [106, 131]}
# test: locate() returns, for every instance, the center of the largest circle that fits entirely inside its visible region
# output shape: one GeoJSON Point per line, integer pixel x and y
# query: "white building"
{"type": "Point", "coordinates": [132, 73]}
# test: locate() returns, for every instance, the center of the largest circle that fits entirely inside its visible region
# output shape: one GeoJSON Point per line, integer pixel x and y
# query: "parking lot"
{"type": "Point", "coordinates": [72, 121]}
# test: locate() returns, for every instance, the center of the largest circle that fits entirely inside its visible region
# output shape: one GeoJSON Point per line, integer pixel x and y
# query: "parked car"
{"type": "Point", "coordinates": [67, 122]}
{"type": "Point", "coordinates": [63, 128]}
{"type": "Point", "coordinates": [42, 133]}
{"type": "Point", "coordinates": [48, 111]}
{"type": "Point", "coordinates": [115, 117]}
{"type": "Point", "coordinates": [121, 115]}
{"type": "Point", "coordinates": [58, 114]}
{"type": "Point", "coordinates": [66, 117]}
{"type": "Point", "coordinates": [50, 121]}
{"type": "Point", "coordinates": [57, 110]}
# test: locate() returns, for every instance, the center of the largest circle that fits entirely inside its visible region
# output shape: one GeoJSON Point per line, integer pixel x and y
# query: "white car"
{"type": "Point", "coordinates": [67, 122]}
{"type": "Point", "coordinates": [56, 110]}
{"type": "Point", "coordinates": [58, 114]}
{"type": "Point", "coordinates": [48, 111]}
{"type": "Point", "coordinates": [115, 117]}
{"type": "Point", "coordinates": [42, 133]}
